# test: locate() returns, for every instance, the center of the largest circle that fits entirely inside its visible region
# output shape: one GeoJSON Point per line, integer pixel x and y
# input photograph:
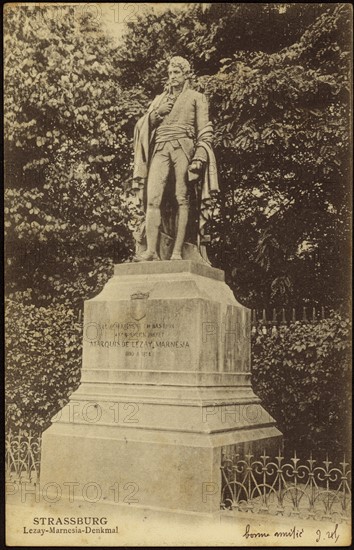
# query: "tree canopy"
{"type": "Point", "coordinates": [277, 77]}
{"type": "Point", "coordinates": [67, 153]}
{"type": "Point", "coordinates": [279, 96]}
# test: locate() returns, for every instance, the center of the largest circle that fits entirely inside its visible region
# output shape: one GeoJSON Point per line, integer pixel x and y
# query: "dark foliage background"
{"type": "Point", "coordinates": [302, 372]}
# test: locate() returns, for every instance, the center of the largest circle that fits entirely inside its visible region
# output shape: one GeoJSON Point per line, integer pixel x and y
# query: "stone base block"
{"type": "Point", "coordinates": [159, 471]}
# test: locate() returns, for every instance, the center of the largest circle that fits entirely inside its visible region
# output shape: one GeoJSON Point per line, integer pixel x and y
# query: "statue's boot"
{"type": "Point", "coordinates": [146, 257]}
{"type": "Point", "coordinates": [183, 212]}
{"type": "Point", "coordinates": [153, 221]}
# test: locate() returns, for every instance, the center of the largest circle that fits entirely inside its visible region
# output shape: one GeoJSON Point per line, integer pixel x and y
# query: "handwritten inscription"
{"type": "Point", "coordinates": [292, 533]}
{"type": "Point", "coordinates": [329, 535]}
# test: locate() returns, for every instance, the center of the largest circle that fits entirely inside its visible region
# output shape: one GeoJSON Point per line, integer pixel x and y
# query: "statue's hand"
{"type": "Point", "coordinates": [164, 108]}
{"type": "Point", "coordinates": [196, 166]}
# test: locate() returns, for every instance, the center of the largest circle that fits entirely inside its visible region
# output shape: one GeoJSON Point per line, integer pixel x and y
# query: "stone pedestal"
{"type": "Point", "coordinates": [165, 388]}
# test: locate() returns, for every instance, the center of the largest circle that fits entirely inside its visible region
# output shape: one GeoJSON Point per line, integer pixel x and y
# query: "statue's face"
{"type": "Point", "coordinates": [176, 76]}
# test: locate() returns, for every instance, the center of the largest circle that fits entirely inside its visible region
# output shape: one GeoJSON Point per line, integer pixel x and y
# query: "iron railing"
{"type": "Point", "coordinates": [266, 321]}
{"type": "Point", "coordinates": [285, 316]}
{"type": "Point", "coordinates": [303, 488]}
{"type": "Point", "coordinates": [22, 457]}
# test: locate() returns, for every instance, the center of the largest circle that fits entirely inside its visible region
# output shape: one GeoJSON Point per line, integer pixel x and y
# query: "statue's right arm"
{"type": "Point", "coordinates": [154, 117]}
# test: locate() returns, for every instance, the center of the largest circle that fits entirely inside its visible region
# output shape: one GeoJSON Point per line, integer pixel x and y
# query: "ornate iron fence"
{"type": "Point", "coordinates": [22, 457]}
{"type": "Point", "coordinates": [307, 489]}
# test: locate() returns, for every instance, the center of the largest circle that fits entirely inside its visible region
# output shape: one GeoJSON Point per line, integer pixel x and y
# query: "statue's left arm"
{"type": "Point", "coordinates": [202, 120]}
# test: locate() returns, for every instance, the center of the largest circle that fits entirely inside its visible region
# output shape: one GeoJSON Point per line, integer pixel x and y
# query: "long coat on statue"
{"type": "Point", "coordinates": [192, 131]}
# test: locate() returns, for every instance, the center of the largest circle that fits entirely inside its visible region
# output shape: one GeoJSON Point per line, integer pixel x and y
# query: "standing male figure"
{"type": "Point", "coordinates": [174, 136]}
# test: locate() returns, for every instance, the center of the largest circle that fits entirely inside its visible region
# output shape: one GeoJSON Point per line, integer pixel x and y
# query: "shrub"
{"type": "Point", "coordinates": [43, 362]}
{"type": "Point", "coordinates": [302, 375]}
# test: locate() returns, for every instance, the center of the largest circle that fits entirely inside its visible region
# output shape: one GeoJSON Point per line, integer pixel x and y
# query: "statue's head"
{"type": "Point", "coordinates": [179, 71]}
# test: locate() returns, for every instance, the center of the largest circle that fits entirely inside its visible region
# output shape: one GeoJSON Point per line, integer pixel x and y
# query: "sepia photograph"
{"type": "Point", "coordinates": [177, 218]}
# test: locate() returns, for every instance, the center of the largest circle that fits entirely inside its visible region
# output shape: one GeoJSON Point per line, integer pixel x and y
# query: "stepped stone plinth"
{"type": "Point", "coordinates": [165, 388]}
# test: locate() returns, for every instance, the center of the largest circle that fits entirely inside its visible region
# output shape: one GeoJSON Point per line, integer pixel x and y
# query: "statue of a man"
{"type": "Point", "coordinates": [172, 141]}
